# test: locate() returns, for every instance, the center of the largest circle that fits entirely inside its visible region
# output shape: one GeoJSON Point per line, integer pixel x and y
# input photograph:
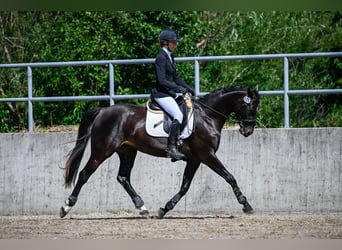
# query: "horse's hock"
{"type": "Point", "coordinates": [291, 170]}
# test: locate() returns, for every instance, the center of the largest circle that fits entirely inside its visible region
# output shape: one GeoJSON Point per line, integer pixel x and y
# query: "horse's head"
{"type": "Point", "coordinates": [246, 110]}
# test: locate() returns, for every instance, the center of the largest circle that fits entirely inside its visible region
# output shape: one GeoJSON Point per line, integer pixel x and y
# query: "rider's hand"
{"type": "Point", "coordinates": [191, 91]}
{"type": "Point", "coordinates": [182, 90]}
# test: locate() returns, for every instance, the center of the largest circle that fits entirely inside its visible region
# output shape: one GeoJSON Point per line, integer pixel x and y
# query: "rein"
{"type": "Point", "coordinates": [214, 110]}
{"type": "Point", "coordinates": [226, 116]}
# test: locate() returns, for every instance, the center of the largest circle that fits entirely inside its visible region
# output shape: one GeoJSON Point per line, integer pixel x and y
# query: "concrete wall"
{"type": "Point", "coordinates": [297, 170]}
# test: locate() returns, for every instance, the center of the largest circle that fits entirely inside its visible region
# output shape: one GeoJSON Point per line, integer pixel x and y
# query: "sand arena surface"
{"type": "Point", "coordinates": [129, 225]}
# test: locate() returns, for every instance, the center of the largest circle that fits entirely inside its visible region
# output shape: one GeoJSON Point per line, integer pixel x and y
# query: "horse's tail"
{"type": "Point", "coordinates": [76, 154]}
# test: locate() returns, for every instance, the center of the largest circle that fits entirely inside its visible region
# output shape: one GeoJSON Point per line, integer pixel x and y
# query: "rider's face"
{"type": "Point", "coordinates": [172, 45]}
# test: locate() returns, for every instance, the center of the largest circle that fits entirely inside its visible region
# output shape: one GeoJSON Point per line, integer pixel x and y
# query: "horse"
{"type": "Point", "coordinates": [121, 129]}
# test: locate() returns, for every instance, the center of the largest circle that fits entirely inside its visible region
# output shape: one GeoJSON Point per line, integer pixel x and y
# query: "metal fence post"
{"type": "Point", "coordinates": [30, 105]}
{"type": "Point", "coordinates": [111, 84]}
{"type": "Point", "coordinates": [286, 95]}
{"type": "Point", "coordinates": [197, 78]}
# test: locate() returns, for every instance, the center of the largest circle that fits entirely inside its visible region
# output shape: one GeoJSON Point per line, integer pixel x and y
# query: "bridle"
{"type": "Point", "coordinates": [241, 122]}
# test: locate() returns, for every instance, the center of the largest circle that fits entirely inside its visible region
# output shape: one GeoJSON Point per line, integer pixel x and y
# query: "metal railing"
{"type": "Point", "coordinates": [112, 96]}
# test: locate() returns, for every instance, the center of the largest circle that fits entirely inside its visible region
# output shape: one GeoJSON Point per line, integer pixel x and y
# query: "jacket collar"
{"type": "Point", "coordinates": [168, 53]}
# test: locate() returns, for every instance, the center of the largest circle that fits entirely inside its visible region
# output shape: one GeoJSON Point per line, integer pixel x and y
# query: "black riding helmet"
{"type": "Point", "coordinates": [169, 35]}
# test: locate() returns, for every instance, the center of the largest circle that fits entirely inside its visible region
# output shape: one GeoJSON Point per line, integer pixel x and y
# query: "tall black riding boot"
{"type": "Point", "coordinates": [172, 151]}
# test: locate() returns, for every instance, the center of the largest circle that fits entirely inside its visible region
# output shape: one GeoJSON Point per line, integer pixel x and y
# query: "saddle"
{"type": "Point", "coordinates": [158, 122]}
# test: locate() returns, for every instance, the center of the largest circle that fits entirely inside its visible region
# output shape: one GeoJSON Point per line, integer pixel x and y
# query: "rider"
{"type": "Point", "coordinates": [168, 86]}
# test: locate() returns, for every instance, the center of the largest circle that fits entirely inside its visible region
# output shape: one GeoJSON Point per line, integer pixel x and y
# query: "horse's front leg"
{"type": "Point", "coordinates": [188, 175]}
{"type": "Point", "coordinates": [215, 164]}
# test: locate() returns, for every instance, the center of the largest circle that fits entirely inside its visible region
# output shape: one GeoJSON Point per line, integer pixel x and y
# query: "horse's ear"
{"type": "Point", "coordinates": [249, 92]}
{"type": "Point", "coordinates": [256, 88]}
{"type": "Point", "coordinates": [252, 92]}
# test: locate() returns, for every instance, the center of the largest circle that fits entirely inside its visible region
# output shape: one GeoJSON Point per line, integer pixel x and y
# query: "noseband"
{"type": "Point", "coordinates": [244, 121]}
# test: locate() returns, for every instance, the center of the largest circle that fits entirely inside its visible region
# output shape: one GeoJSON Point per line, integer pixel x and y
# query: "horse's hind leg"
{"type": "Point", "coordinates": [83, 177]}
{"type": "Point", "coordinates": [127, 156]}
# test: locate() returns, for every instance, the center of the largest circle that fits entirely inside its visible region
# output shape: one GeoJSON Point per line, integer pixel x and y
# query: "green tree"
{"type": "Point", "coordinates": [99, 36]}
{"type": "Point", "coordinates": [77, 36]}
{"type": "Point", "coordinates": [242, 33]}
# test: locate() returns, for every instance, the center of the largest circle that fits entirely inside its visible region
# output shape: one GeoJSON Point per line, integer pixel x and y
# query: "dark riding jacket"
{"type": "Point", "coordinates": [168, 83]}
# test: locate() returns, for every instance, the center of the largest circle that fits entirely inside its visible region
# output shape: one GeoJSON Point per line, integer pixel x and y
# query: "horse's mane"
{"type": "Point", "coordinates": [220, 91]}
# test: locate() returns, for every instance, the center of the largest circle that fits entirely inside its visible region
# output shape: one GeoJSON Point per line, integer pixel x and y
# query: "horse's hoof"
{"type": "Point", "coordinates": [248, 209]}
{"type": "Point", "coordinates": [145, 213]}
{"type": "Point", "coordinates": [62, 212]}
{"type": "Point", "coordinates": [161, 213]}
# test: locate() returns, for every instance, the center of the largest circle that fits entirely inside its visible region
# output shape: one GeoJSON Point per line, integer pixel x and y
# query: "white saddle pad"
{"type": "Point", "coordinates": [154, 124]}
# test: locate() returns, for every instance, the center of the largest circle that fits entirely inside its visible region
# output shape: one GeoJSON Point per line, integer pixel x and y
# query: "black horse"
{"type": "Point", "coordinates": [121, 129]}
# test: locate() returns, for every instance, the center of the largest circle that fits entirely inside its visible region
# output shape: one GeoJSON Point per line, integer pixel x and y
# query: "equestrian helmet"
{"type": "Point", "coordinates": [169, 35]}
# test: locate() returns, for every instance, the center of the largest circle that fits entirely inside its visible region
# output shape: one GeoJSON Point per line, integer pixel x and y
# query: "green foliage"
{"type": "Point", "coordinates": [241, 33]}
{"type": "Point", "coordinates": [78, 36]}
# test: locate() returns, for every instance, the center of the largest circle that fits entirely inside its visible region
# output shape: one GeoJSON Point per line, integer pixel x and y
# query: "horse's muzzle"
{"type": "Point", "coordinates": [246, 131]}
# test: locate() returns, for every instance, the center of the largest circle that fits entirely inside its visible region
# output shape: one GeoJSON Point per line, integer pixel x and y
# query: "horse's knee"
{"type": "Point", "coordinates": [231, 180]}
{"type": "Point", "coordinates": [121, 179]}
{"type": "Point", "coordinates": [184, 188]}
{"type": "Point", "coordinates": [124, 181]}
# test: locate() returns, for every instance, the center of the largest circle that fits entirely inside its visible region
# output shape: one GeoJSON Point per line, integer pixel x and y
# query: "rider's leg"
{"type": "Point", "coordinates": [171, 107]}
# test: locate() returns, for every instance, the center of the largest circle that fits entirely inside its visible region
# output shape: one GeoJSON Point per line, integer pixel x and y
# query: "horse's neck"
{"type": "Point", "coordinates": [222, 106]}
{"type": "Point", "coordinates": [225, 103]}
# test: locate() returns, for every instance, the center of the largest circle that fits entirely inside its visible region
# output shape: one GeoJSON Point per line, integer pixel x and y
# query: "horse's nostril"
{"type": "Point", "coordinates": [247, 133]}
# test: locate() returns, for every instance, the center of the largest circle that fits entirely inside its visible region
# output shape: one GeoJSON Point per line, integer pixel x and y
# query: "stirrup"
{"type": "Point", "coordinates": [174, 154]}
